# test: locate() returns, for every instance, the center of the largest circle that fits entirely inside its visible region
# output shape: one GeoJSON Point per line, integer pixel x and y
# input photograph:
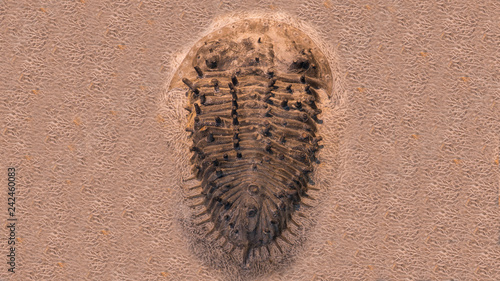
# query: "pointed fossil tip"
{"type": "Point", "coordinates": [186, 81]}
{"type": "Point", "coordinates": [191, 85]}
{"type": "Point", "coordinates": [246, 255]}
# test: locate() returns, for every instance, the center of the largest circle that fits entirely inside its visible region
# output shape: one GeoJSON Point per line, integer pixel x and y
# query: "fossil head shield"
{"type": "Point", "coordinates": [253, 91]}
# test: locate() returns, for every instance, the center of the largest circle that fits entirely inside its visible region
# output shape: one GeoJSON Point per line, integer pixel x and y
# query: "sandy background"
{"type": "Point", "coordinates": [410, 169]}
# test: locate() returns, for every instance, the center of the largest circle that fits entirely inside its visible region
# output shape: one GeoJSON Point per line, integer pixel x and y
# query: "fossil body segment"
{"type": "Point", "coordinates": [253, 95]}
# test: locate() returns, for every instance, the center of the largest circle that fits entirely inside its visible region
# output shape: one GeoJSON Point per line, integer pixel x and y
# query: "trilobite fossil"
{"type": "Point", "coordinates": [253, 100]}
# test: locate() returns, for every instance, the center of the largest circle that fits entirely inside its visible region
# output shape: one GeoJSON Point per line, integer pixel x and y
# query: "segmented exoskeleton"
{"type": "Point", "coordinates": [253, 114]}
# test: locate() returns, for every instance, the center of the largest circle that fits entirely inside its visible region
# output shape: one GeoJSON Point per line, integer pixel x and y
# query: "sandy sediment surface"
{"type": "Point", "coordinates": [409, 174]}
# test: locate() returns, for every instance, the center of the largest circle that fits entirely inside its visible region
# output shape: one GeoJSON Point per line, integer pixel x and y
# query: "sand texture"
{"type": "Point", "coordinates": [409, 176]}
